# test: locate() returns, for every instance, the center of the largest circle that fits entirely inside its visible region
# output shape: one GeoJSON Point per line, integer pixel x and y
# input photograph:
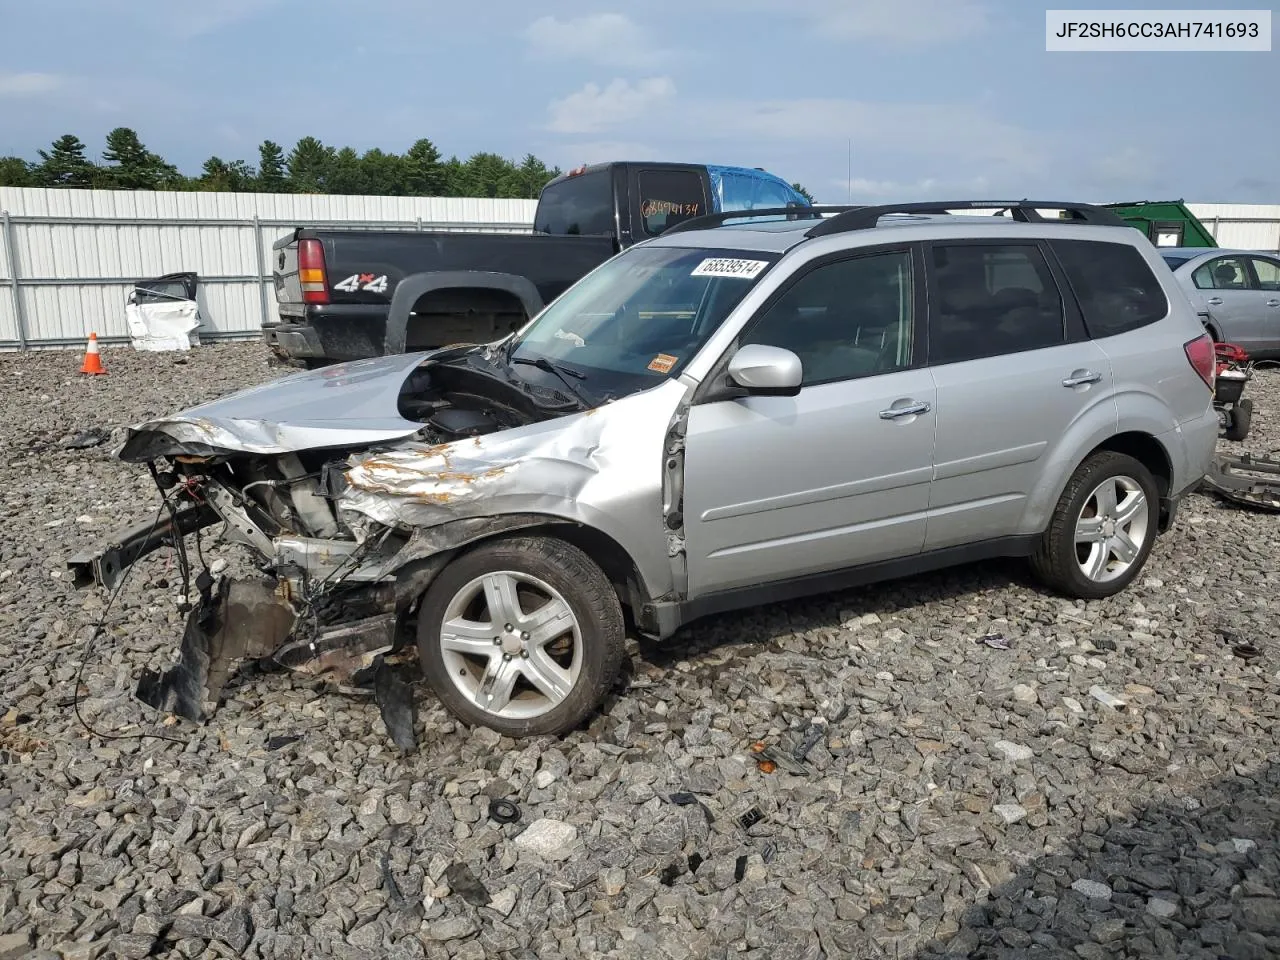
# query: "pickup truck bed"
{"type": "Point", "coordinates": [364, 269]}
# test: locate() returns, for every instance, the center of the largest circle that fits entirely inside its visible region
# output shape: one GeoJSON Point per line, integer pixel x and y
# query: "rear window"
{"type": "Point", "coordinates": [577, 205]}
{"type": "Point", "coordinates": [668, 197]}
{"type": "Point", "coordinates": [1174, 262]}
{"type": "Point", "coordinates": [1114, 285]}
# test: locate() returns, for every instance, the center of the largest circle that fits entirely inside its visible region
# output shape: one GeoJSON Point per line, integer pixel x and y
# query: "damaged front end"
{"type": "Point", "coordinates": [334, 584]}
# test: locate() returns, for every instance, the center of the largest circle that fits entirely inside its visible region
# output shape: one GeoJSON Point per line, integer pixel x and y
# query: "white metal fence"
{"type": "Point", "coordinates": [1249, 226]}
{"type": "Point", "coordinates": [68, 258]}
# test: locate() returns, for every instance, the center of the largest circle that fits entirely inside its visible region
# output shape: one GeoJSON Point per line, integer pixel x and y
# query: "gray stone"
{"type": "Point", "coordinates": [1012, 752]}
{"type": "Point", "coordinates": [1010, 812]}
{"type": "Point", "coordinates": [1092, 889]}
{"type": "Point", "coordinates": [449, 928]}
{"type": "Point", "coordinates": [134, 946]}
{"type": "Point", "coordinates": [613, 881]}
{"type": "Point", "coordinates": [1164, 909]}
{"type": "Point", "coordinates": [549, 839]}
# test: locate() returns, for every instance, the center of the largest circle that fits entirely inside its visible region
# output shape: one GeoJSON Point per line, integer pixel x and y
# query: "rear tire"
{"type": "Point", "coordinates": [523, 635]}
{"type": "Point", "coordinates": [1241, 418]}
{"type": "Point", "coordinates": [1102, 529]}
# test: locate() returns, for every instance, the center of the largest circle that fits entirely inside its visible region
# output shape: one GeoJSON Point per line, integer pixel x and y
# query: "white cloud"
{"type": "Point", "coordinates": [29, 84]}
{"type": "Point", "coordinates": [612, 39]}
{"type": "Point", "coordinates": [595, 108]}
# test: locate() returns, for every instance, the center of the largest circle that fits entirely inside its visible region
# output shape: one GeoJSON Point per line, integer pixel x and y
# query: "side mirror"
{"type": "Point", "coordinates": [766, 371]}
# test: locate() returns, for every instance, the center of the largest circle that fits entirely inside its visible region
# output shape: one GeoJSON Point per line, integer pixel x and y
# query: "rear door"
{"type": "Point", "coordinates": [1014, 370]}
{"type": "Point", "coordinates": [1266, 277]}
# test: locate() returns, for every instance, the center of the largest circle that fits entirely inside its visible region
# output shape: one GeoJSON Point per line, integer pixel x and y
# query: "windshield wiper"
{"type": "Point", "coordinates": [562, 374]}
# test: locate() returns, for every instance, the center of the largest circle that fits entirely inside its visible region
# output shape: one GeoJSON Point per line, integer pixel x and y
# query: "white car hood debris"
{"type": "Point", "coordinates": [170, 325]}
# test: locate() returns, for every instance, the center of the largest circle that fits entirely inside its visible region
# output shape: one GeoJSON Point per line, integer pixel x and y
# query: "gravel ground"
{"type": "Point", "coordinates": [962, 800]}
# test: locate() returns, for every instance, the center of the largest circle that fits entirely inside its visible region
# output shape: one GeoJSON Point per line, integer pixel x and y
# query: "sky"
{"type": "Point", "coordinates": [862, 100]}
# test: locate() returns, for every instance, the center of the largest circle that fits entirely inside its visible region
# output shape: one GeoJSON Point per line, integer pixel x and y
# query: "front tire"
{"type": "Point", "coordinates": [1102, 529]}
{"type": "Point", "coordinates": [524, 636]}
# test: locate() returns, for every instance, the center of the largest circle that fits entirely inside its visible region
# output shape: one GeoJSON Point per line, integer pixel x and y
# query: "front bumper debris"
{"type": "Point", "coordinates": [1249, 480]}
{"type": "Point", "coordinates": [107, 564]}
{"type": "Point", "coordinates": [238, 620]}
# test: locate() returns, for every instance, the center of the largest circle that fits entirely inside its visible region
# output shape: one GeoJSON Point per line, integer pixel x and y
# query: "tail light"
{"type": "Point", "coordinates": [315, 287]}
{"type": "Point", "coordinates": [1201, 354]}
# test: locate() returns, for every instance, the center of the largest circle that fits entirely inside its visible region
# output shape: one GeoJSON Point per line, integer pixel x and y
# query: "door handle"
{"type": "Point", "coordinates": [1080, 379]}
{"type": "Point", "coordinates": [893, 413]}
{"type": "Point", "coordinates": [1214, 300]}
{"type": "Point", "coordinates": [1273, 303]}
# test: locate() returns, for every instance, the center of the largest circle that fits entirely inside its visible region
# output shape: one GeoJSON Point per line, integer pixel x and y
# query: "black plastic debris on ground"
{"type": "Point", "coordinates": [85, 439]}
{"type": "Point", "coordinates": [503, 811]}
{"type": "Point", "coordinates": [396, 704]}
{"type": "Point", "coordinates": [750, 818]}
{"type": "Point", "coordinates": [275, 743]}
{"type": "Point", "coordinates": [740, 869]}
{"type": "Point", "coordinates": [464, 883]}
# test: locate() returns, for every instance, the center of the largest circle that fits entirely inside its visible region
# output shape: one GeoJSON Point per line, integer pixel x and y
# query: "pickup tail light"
{"type": "Point", "coordinates": [315, 286]}
{"type": "Point", "coordinates": [1202, 356]}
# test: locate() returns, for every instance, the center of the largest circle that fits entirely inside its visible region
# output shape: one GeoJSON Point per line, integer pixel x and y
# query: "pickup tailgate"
{"type": "Point", "coordinates": [284, 272]}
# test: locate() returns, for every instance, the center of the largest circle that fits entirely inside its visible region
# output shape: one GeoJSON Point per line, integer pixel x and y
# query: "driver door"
{"type": "Point", "coordinates": [778, 487]}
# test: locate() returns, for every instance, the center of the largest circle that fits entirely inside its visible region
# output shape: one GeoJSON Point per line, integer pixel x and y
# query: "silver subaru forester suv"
{"type": "Point", "coordinates": [731, 414]}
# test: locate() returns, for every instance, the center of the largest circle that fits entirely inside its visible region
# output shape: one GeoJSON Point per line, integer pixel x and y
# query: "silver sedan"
{"type": "Point", "coordinates": [1239, 289]}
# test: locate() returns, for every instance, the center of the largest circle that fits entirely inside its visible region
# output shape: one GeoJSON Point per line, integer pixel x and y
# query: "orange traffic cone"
{"type": "Point", "coordinates": [92, 359]}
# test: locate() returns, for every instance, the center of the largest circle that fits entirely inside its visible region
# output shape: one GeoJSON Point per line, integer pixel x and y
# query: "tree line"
{"type": "Point", "coordinates": [310, 167]}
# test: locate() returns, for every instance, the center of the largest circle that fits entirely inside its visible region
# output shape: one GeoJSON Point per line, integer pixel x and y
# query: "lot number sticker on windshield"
{"type": "Point", "coordinates": [662, 363]}
{"type": "Point", "coordinates": [729, 267]}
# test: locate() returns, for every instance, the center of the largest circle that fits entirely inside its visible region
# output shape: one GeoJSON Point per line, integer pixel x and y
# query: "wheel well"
{"type": "Point", "coordinates": [463, 315]}
{"type": "Point", "coordinates": [609, 555]}
{"type": "Point", "coordinates": [1148, 451]}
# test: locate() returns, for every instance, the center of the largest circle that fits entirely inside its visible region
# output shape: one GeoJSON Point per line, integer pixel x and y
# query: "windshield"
{"type": "Point", "coordinates": [637, 319]}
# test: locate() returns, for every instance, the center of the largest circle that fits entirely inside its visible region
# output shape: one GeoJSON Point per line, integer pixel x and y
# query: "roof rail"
{"type": "Point", "coordinates": [866, 217]}
{"type": "Point", "coordinates": [709, 220]}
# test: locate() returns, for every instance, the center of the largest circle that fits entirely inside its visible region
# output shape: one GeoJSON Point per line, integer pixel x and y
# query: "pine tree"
{"type": "Point", "coordinates": [533, 176]}
{"type": "Point", "coordinates": [308, 165]}
{"type": "Point", "coordinates": [16, 172]}
{"type": "Point", "coordinates": [64, 164]}
{"type": "Point", "coordinates": [346, 174]}
{"type": "Point", "coordinates": [271, 175]}
{"type": "Point", "coordinates": [131, 166]}
{"type": "Point", "coordinates": [802, 191]}
{"type": "Point", "coordinates": [384, 173]}
{"type": "Point", "coordinates": [424, 173]}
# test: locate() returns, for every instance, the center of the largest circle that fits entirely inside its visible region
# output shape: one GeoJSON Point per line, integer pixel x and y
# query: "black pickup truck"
{"type": "Point", "coordinates": [348, 294]}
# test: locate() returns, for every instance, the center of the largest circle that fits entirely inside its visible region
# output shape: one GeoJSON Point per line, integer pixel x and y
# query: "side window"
{"type": "Point", "coordinates": [669, 196]}
{"type": "Point", "coordinates": [577, 205]}
{"type": "Point", "coordinates": [991, 300]}
{"type": "Point", "coordinates": [1268, 272]}
{"type": "Point", "coordinates": [1114, 285]}
{"type": "Point", "coordinates": [1224, 273]}
{"type": "Point", "coordinates": [851, 318]}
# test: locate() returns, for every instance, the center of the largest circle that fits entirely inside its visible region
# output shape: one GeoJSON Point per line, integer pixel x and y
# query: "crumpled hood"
{"type": "Point", "coordinates": [346, 404]}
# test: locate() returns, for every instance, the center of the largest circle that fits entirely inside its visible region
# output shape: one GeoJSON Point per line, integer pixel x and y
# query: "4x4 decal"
{"type": "Point", "coordinates": [363, 281]}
